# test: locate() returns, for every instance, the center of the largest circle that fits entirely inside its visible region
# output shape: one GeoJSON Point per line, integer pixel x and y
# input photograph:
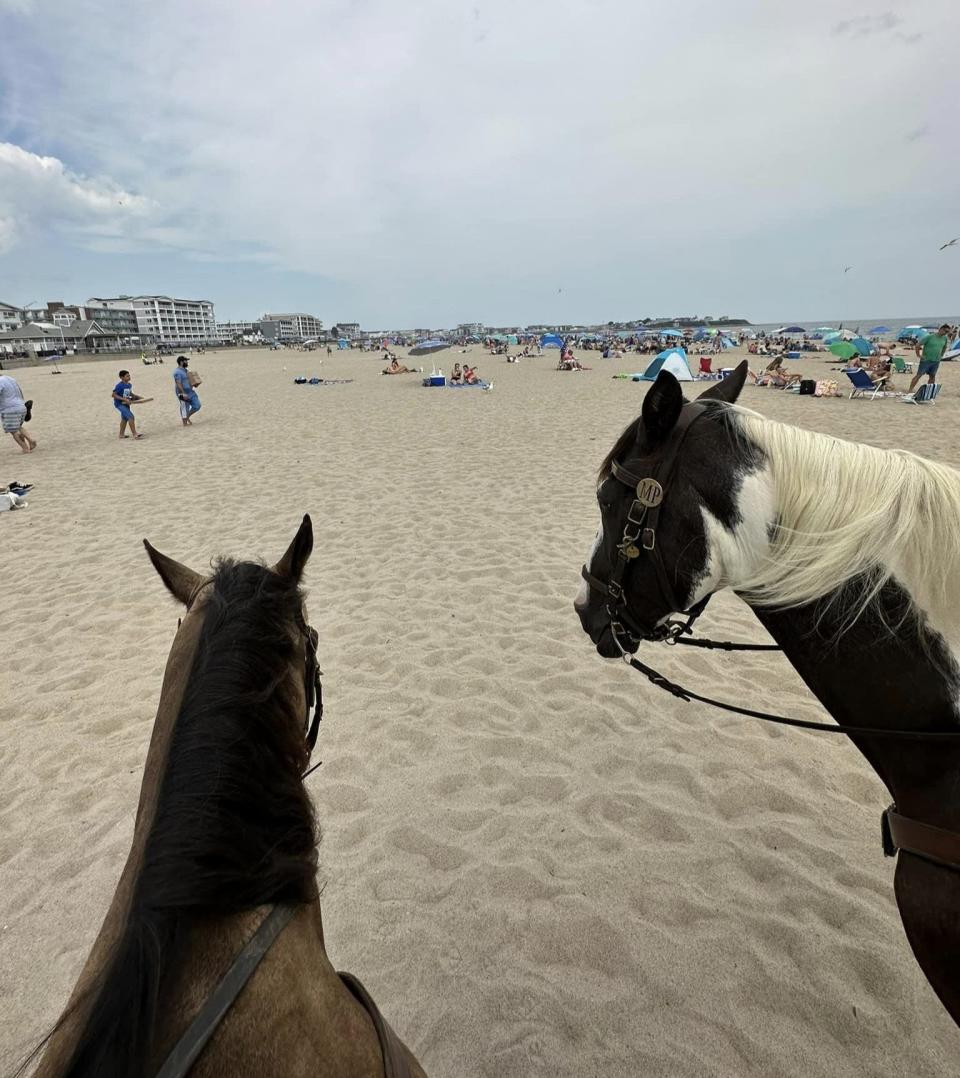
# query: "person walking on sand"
{"type": "Point", "coordinates": [123, 396]}
{"type": "Point", "coordinates": [14, 412]}
{"type": "Point", "coordinates": [930, 351]}
{"type": "Point", "coordinates": [186, 394]}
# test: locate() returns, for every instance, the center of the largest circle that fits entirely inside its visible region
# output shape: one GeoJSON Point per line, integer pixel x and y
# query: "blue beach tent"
{"type": "Point", "coordinates": [551, 340]}
{"type": "Point", "coordinates": [673, 360]}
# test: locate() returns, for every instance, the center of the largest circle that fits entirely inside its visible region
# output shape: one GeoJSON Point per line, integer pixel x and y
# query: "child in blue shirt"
{"type": "Point", "coordinates": [123, 396]}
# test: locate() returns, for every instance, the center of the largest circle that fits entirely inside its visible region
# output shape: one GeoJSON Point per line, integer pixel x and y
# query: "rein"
{"type": "Point", "coordinates": [640, 537]}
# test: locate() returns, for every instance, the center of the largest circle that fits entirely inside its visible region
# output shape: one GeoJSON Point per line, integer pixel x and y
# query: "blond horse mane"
{"type": "Point", "coordinates": [852, 517]}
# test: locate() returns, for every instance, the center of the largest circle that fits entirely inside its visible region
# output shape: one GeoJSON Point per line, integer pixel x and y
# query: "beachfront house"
{"type": "Point", "coordinates": [10, 317]}
{"type": "Point", "coordinates": [48, 339]}
{"type": "Point", "coordinates": [349, 331]}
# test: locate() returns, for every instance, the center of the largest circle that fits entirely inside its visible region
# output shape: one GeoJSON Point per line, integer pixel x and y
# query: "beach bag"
{"type": "Point", "coordinates": [195, 379]}
{"type": "Point", "coordinates": [807, 387]}
{"type": "Point", "coordinates": [826, 388]}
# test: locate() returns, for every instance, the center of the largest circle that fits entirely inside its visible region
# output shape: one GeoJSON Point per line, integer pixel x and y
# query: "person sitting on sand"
{"type": "Point", "coordinates": [568, 363]}
{"type": "Point", "coordinates": [470, 375]}
{"type": "Point", "coordinates": [396, 367]}
{"type": "Point", "coordinates": [457, 374]}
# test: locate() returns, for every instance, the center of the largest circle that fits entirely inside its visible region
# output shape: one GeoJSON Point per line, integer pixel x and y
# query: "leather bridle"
{"type": "Point", "coordinates": [640, 538]}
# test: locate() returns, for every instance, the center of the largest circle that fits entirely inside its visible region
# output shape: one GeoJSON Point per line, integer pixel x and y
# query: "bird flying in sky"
{"type": "Point", "coordinates": [950, 243]}
{"type": "Point", "coordinates": [847, 269]}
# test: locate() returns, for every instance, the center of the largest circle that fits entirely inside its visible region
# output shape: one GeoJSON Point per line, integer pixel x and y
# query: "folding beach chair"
{"type": "Point", "coordinates": [925, 394]}
{"type": "Point", "coordinates": [862, 384]}
{"type": "Point", "coordinates": [900, 365]}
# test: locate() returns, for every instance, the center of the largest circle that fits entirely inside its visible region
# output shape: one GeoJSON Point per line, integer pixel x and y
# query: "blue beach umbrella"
{"type": "Point", "coordinates": [426, 348]}
{"type": "Point", "coordinates": [793, 329]}
{"type": "Point", "coordinates": [669, 332]}
{"type": "Point", "coordinates": [865, 348]}
{"type": "Point", "coordinates": [879, 329]}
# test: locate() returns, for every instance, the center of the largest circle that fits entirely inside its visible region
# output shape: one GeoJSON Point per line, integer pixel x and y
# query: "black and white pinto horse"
{"type": "Point", "coordinates": [835, 546]}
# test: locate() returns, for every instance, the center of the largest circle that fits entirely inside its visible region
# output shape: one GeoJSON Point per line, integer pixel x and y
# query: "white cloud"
{"type": "Point", "coordinates": [36, 191]}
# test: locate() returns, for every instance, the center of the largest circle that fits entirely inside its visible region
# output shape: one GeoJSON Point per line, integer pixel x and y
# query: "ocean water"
{"type": "Point", "coordinates": [864, 325]}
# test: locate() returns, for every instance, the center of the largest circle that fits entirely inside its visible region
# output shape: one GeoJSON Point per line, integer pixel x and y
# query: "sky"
{"type": "Point", "coordinates": [501, 161]}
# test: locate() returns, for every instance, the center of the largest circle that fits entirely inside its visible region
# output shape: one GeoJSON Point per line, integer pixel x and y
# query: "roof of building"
{"type": "Point", "coordinates": [35, 331]}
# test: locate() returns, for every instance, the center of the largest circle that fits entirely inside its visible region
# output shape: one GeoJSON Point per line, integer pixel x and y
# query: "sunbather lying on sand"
{"type": "Point", "coordinates": [396, 367]}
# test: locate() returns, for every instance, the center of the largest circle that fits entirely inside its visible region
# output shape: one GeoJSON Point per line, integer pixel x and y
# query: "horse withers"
{"type": "Point", "coordinates": [211, 959]}
{"type": "Point", "coordinates": [829, 542]}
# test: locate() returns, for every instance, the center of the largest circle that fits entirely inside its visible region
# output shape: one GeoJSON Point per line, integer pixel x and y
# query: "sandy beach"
{"type": "Point", "coordinates": [538, 863]}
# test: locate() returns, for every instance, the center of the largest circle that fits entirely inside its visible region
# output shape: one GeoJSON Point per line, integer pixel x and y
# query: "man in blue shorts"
{"type": "Point", "coordinates": [186, 394]}
{"type": "Point", "coordinates": [123, 397]}
{"type": "Point", "coordinates": [930, 351]}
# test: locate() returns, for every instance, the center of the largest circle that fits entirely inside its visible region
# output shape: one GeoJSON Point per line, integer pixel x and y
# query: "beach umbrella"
{"type": "Point", "coordinates": [792, 329]}
{"type": "Point", "coordinates": [879, 329]}
{"type": "Point", "coordinates": [844, 349]}
{"type": "Point", "coordinates": [827, 329]}
{"type": "Point", "coordinates": [912, 333]}
{"type": "Point", "coordinates": [864, 347]}
{"type": "Point", "coordinates": [669, 332]}
{"type": "Point", "coordinates": [426, 348]}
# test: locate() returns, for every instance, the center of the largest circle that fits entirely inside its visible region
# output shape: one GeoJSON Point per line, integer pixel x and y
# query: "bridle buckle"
{"type": "Point", "coordinates": [648, 538]}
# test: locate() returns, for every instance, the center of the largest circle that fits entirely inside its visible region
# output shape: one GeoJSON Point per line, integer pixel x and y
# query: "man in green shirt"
{"type": "Point", "coordinates": [930, 351]}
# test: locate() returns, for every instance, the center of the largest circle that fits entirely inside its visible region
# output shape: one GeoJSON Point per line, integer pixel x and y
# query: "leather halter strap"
{"type": "Point", "coordinates": [922, 839]}
{"type": "Point", "coordinates": [202, 1028]}
{"type": "Point", "coordinates": [197, 1035]}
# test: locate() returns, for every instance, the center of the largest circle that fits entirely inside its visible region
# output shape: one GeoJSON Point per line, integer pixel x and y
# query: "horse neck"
{"type": "Point", "coordinates": [867, 676]}
{"type": "Point", "coordinates": [175, 677]}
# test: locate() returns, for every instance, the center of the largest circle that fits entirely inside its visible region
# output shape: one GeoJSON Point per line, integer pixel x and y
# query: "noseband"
{"type": "Point", "coordinates": [640, 538]}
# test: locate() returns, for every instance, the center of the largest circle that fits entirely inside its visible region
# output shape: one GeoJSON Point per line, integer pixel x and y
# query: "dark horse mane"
{"type": "Point", "coordinates": [234, 828]}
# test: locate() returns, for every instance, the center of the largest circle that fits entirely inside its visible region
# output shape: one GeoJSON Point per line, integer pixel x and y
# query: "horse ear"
{"type": "Point", "coordinates": [292, 563]}
{"type": "Point", "coordinates": [182, 582]}
{"type": "Point", "coordinates": [727, 389]}
{"type": "Point", "coordinates": [661, 408]}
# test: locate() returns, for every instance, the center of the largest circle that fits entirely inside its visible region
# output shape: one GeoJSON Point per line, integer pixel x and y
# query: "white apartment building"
{"type": "Point", "coordinates": [294, 327]}
{"type": "Point", "coordinates": [230, 331]}
{"type": "Point", "coordinates": [178, 322]}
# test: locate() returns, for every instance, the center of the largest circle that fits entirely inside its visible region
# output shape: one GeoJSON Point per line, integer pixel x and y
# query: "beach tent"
{"type": "Point", "coordinates": [343, 343]}
{"type": "Point", "coordinates": [726, 342]}
{"type": "Point", "coordinates": [551, 340]}
{"type": "Point", "coordinates": [673, 360]}
{"type": "Point", "coordinates": [864, 347]}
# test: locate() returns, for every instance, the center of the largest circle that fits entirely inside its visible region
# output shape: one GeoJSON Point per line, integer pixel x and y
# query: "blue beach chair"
{"type": "Point", "coordinates": [862, 384]}
{"type": "Point", "coordinates": [925, 394]}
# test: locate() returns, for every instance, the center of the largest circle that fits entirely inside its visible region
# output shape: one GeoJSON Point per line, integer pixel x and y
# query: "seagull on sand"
{"type": "Point", "coordinates": [950, 244]}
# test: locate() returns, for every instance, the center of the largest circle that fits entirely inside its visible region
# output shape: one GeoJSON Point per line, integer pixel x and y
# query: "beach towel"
{"type": "Point", "coordinates": [468, 385]}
